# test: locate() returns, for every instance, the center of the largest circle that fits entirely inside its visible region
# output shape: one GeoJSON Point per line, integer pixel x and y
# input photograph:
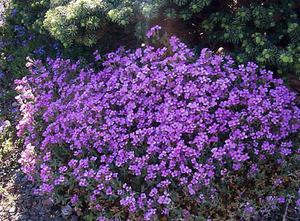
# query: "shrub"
{"type": "Point", "coordinates": [156, 133]}
{"type": "Point", "coordinates": [266, 32]}
{"type": "Point", "coordinates": [18, 39]}
{"type": "Point", "coordinates": [88, 21]}
{"type": "Point", "coordinates": [263, 31]}
{"type": "Point", "coordinates": [22, 37]}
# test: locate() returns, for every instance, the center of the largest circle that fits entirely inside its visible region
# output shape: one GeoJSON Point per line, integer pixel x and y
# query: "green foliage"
{"type": "Point", "coordinates": [23, 36]}
{"type": "Point", "coordinates": [190, 7]}
{"type": "Point", "coordinates": [265, 32]}
{"type": "Point", "coordinates": [6, 138]}
{"type": "Point", "coordinates": [76, 20]}
{"type": "Point", "coordinates": [89, 21]}
{"type": "Point", "coordinates": [20, 36]}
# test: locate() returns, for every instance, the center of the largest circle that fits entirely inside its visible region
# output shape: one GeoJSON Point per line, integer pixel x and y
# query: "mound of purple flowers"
{"type": "Point", "coordinates": [151, 129]}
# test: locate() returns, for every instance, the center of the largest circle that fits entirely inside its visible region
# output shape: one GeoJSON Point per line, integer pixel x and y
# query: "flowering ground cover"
{"type": "Point", "coordinates": [161, 134]}
{"type": "Point", "coordinates": [160, 129]}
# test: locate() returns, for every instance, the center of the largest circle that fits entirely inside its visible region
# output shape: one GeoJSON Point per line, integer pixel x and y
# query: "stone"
{"type": "Point", "coordinates": [66, 211]}
{"type": "Point", "coordinates": [22, 217]}
{"type": "Point", "coordinates": [12, 209]}
{"type": "Point", "coordinates": [14, 104]}
{"type": "Point", "coordinates": [47, 202]}
{"type": "Point", "coordinates": [74, 218]}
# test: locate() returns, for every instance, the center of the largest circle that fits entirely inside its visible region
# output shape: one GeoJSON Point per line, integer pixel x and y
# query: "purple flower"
{"type": "Point", "coordinates": [146, 120]}
{"type": "Point", "coordinates": [2, 74]}
{"type": "Point", "coordinates": [153, 30]}
{"type": "Point", "coordinates": [83, 183]}
{"type": "Point", "coordinates": [39, 51]}
{"type": "Point", "coordinates": [74, 199]}
{"type": "Point", "coordinates": [281, 200]}
{"type": "Point", "coordinates": [248, 208]}
{"type": "Point", "coordinates": [62, 169]}
{"type": "Point", "coordinates": [164, 200]}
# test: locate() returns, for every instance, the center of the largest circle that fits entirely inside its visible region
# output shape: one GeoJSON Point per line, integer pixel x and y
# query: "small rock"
{"type": "Point", "coordinates": [256, 218]}
{"type": "Point", "coordinates": [12, 209]}
{"type": "Point", "coordinates": [35, 218]}
{"type": "Point", "coordinates": [23, 217]}
{"type": "Point", "coordinates": [32, 213]}
{"type": "Point", "coordinates": [74, 218]}
{"type": "Point", "coordinates": [47, 202]}
{"type": "Point", "coordinates": [14, 104]}
{"type": "Point", "coordinates": [66, 211]}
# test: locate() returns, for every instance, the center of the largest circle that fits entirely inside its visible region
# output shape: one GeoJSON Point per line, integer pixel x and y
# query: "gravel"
{"type": "Point", "coordinates": [17, 201]}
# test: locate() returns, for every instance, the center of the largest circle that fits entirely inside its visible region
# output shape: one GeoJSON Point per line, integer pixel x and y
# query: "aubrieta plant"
{"type": "Point", "coordinates": [159, 134]}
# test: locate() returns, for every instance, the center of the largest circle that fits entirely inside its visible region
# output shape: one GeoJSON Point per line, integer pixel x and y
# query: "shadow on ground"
{"type": "Point", "coordinates": [17, 201]}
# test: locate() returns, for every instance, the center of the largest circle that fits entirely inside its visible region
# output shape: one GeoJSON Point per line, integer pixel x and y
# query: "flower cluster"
{"type": "Point", "coordinates": [152, 130]}
{"type": "Point", "coordinates": [152, 31]}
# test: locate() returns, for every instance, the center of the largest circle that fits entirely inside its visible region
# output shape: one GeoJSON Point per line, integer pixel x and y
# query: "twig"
{"type": "Point", "coordinates": [285, 212]}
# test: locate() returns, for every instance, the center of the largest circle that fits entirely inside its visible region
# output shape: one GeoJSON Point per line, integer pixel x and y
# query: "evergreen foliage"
{"type": "Point", "coordinates": [267, 32]}
{"type": "Point", "coordinates": [87, 21]}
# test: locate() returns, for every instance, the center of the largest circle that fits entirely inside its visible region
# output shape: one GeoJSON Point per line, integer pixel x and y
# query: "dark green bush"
{"type": "Point", "coordinates": [267, 32]}
{"type": "Point", "coordinates": [87, 21]}
{"type": "Point", "coordinates": [263, 31]}
{"type": "Point", "coordinates": [40, 28]}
